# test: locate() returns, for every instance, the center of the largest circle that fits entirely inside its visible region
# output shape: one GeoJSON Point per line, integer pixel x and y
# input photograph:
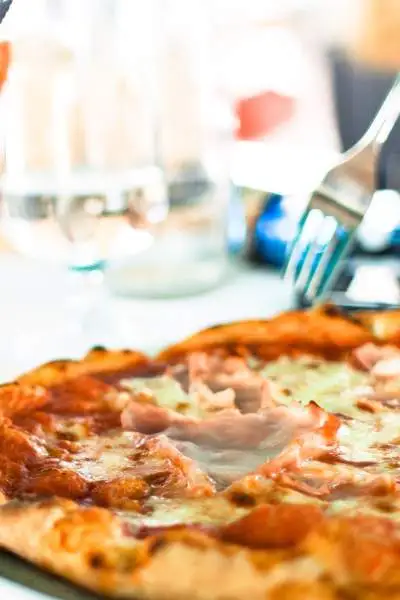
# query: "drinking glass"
{"type": "Point", "coordinates": [187, 251]}
{"type": "Point", "coordinates": [79, 173]}
{"type": "Point", "coordinates": [117, 144]}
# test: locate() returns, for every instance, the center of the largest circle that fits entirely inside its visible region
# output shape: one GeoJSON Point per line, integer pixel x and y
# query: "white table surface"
{"type": "Point", "coordinates": [32, 315]}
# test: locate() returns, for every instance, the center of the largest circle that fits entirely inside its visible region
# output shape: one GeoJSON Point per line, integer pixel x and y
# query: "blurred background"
{"type": "Point", "coordinates": [161, 149]}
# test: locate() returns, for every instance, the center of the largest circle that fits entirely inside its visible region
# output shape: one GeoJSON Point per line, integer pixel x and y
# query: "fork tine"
{"type": "Point", "coordinates": [325, 275]}
{"type": "Point", "coordinates": [341, 249]}
{"type": "Point", "coordinates": [306, 269]}
{"type": "Point", "coordinates": [306, 233]}
{"type": "Point", "coordinates": [295, 250]}
{"type": "Point", "coordinates": [320, 271]}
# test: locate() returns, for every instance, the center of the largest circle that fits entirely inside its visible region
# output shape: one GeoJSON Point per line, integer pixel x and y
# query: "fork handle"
{"type": "Point", "coordinates": [385, 118]}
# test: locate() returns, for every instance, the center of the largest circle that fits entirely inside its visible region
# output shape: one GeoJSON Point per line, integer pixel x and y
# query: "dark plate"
{"type": "Point", "coordinates": [16, 570]}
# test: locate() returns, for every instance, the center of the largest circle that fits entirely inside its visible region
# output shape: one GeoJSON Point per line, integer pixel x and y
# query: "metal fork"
{"type": "Point", "coordinates": [337, 206]}
{"type": "Point", "coordinates": [4, 6]}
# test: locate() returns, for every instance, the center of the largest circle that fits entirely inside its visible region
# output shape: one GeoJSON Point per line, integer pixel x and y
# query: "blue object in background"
{"type": "Point", "coordinates": [274, 230]}
{"type": "Point", "coordinates": [262, 225]}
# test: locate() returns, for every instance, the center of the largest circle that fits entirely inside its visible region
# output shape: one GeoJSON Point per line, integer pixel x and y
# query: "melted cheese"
{"type": "Point", "coordinates": [212, 511]}
{"type": "Point", "coordinates": [336, 386]}
{"type": "Point", "coordinates": [380, 506]}
{"type": "Point", "coordinates": [167, 392]}
{"type": "Point", "coordinates": [362, 440]}
{"type": "Point", "coordinates": [217, 510]}
{"type": "Point", "coordinates": [332, 385]}
{"type": "Point", "coordinates": [105, 458]}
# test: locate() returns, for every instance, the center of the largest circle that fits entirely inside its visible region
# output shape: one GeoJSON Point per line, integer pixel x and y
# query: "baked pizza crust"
{"type": "Point", "coordinates": [384, 325]}
{"type": "Point", "coordinates": [67, 540]}
{"type": "Point", "coordinates": [97, 361]}
{"type": "Point", "coordinates": [325, 331]}
{"type": "Point", "coordinates": [28, 392]}
{"type": "Point", "coordinates": [86, 547]}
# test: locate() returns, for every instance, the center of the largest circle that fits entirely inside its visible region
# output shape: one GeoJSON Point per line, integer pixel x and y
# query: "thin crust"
{"type": "Point", "coordinates": [87, 547]}
{"type": "Point", "coordinates": [67, 540]}
{"type": "Point", "coordinates": [383, 325]}
{"type": "Point", "coordinates": [28, 392]}
{"type": "Point", "coordinates": [99, 361]}
{"type": "Point", "coordinates": [325, 331]}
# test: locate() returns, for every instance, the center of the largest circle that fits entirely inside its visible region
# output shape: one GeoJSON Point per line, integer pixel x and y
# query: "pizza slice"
{"type": "Point", "coordinates": [247, 461]}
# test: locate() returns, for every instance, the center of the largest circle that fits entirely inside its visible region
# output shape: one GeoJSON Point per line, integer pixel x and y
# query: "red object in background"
{"type": "Point", "coordinates": [259, 115]}
{"type": "Point", "coordinates": [5, 55]}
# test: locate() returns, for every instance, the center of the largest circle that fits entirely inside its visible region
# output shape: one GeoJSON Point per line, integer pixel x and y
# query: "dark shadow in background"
{"type": "Point", "coordinates": [358, 93]}
{"type": "Point", "coordinates": [4, 6]}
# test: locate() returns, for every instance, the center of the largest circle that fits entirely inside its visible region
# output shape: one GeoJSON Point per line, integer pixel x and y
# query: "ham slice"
{"type": "Point", "coordinates": [379, 360]}
{"type": "Point", "coordinates": [227, 444]}
{"type": "Point", "coordinates": [309, 445]}
{"type": "Point", "coordinates": [220, 373]}
{"type": "Point", "coordinates": [167, 471]}
{"type": "Point", "coordinates": [226, 427]}
{"type": "Point", "coordinates": [314, 478]}
{"type": "Point", "coordinates": [229, 441]}
{"type": "Point", "coordinates": [189, 477]}
{"type": "Point", "coordinates": [338, 481]}
{"type": "Point", "coordinates": [212, 402]}
{"type": "Point", "coordinates": [376, 401]}
{"type": "Point", "coordinates": [383, 364]}
{"type": "Point", "coordinates": [388, 368]}
{"type": "Point", "coordinates": [270, 429]}
{"type": "Point", "coordinates": [146, 417]}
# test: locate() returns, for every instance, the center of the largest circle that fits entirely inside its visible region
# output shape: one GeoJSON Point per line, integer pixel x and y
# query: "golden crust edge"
{"type": "Point", "coordinates": [180, 570]}
{"type": "Point", "coordinates": [97, 360]}
{"type": "Point", "coordinates": [288, 328]}
{"type": "Point", "coordinates": [288, 331]}
{"type": "Point", "coordinates": [322, 328]}
{"type": "Point", "coordinates": [176, 571]}
{"type": "Point", "coordinates": [29, 530]}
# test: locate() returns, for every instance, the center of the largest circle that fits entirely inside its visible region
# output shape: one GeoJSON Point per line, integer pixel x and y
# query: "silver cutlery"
{"type": "Point", "coordinates": [337, 206]}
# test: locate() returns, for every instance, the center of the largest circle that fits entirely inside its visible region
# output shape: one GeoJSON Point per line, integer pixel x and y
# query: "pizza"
{"type": "Point", "coordinates": [258, 459]}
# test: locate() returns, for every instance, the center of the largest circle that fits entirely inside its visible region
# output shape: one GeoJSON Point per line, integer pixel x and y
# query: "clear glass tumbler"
{"type": "Point", "coordinates": [186, 252]}
{"type": "Point", "coordinates": [117, 144]}
{"type": "Point", "coordinates": [79, 135]}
